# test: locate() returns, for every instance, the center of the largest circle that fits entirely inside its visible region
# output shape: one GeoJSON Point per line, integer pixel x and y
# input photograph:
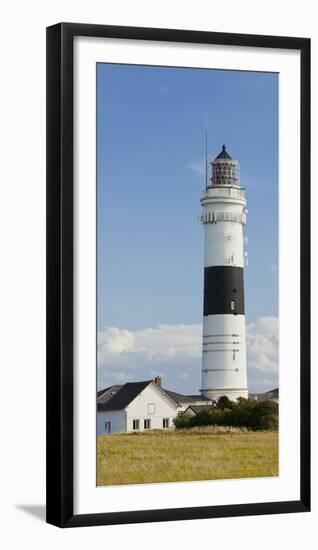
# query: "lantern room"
{"type": "Point", "coordinates": [225, 170]}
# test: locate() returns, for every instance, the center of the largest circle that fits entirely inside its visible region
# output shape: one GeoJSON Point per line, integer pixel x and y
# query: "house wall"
{"type": "Point", "coordinates": [138, 409]}
{"type": "Point", "coordinates": [117, 420]}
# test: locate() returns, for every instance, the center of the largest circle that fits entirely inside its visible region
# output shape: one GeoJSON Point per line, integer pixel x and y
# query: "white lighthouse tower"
{"type": "Point", "coordinates": [224, 340]}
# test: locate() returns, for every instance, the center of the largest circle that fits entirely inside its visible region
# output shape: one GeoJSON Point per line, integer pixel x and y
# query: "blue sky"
{"type": "Point", "coordinates": [150, 150]}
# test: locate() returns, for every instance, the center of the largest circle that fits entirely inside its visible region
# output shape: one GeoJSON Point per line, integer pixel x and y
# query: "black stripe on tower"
{"type": "Point", "coordinates": [223, 290]}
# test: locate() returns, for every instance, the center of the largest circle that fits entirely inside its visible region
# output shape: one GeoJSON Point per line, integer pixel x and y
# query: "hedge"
{"type": "Point", "coordinates": [255, 415]}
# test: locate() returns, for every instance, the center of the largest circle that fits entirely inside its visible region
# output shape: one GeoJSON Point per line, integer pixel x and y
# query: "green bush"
{"type": "Point", "coordinates": [242, 413]}
{"type": "Point", "coordinates": [182, 421]}
{"type": "Point", "coordinates": [255, 415]}
{"type": "Point", "coordinates": [265, 415]}
{"type": "Point", "coordinates": [225, 403]}
{"type": "Point", "coordinates": [212, 417]}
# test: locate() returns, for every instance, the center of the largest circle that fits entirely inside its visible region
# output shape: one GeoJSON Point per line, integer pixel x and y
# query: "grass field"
{"type": "Point", "coordinates": [203, 453]}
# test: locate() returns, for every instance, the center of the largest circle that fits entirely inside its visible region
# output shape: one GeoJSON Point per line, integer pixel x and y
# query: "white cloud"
{"type": "Point", "coordinates": [174, 353]}
{"type": "Point", "coordinates": [121, 377]}
{"type": "Point", "coordinates": [197, 167]}
{"type": "Point", "coordinates": [115, 340]}
{"type": "Point", "coordinates": [170, 351]}
{"type": "Point", "coordinates": [157, 344]}
{"type": "Point", "coordinates": [262, 353]}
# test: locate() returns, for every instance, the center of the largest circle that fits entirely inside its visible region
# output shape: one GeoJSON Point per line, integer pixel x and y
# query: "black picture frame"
{"type": "Point", "coordinates": [60, 270]}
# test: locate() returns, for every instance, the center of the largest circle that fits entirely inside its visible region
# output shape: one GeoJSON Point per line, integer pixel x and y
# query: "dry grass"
{"type": "Point", "coordinates": [183, 455]}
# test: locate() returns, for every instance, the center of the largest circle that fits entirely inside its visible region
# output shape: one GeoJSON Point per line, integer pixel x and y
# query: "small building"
{"type": "Point", "coordinates": [196, 409]}
{"type": "Point", "coordinates": [140, 406]}
{"type": "Point", "coordinates": [185, 400]}
{"type": "Point", "coordinates": [272, 395]}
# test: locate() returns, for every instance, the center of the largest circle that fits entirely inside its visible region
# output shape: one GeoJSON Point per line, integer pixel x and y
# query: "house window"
{"type": "Point", "coordinates": [147, 424]}
{"type": "Point", "coordinates": [135, 424]}
{"type": "Point", "coordinates": [107, 427]}
{"type": "Point", "coordinates": [165, 422]}
{"type": "Point", "coordinates": [151, 408]}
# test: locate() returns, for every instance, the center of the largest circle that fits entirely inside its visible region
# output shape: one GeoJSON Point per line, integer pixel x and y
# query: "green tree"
{"type": "Point", "coordinates": [241, 400]}
{"type": "Point", "coordinates": [182, 421]}
{"type": "Point", "coordinates": [225, 403]}
{"type": "Point", "coordinates": [255, 415]}
{"type": "Point", "coordinates": [264, 416]}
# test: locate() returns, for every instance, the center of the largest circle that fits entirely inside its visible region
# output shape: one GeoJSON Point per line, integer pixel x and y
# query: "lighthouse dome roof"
{"type": "Point", "coordinates": [224, 154]}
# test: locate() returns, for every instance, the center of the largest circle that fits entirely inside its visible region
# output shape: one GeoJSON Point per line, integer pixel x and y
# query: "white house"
{"type": "Point", "coordinates": [139, 406]}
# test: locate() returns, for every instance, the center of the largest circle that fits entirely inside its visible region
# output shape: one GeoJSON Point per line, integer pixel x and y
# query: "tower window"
{"type": "Point", "coordinates": [232, 305]}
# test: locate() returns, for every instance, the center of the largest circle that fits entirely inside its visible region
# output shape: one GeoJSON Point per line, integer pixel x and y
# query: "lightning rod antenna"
{"type": "Point", "coordinates": [206, 151]}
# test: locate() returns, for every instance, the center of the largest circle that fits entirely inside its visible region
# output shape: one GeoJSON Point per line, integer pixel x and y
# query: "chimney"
{"type": "Point", "coordinates": [158, 380]}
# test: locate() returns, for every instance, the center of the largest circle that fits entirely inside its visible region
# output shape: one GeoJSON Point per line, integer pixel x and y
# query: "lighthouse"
{"type": "Point", "coordinates": [224, 338]}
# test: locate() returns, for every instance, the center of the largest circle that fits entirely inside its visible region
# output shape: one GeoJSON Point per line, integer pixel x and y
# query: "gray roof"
{"type": "Point", "coordinates": [100, 392]}
{"type": "Point", "coordinates": [274, 393]}
{"type": "Point", "coordinates": [124, 396]}
{"type": "Point", "coordinates": [224, 154]}
{"type": "Point", "coordinates": [180, 398]}
{"type": "Point", "coordinates": [199, 408]}
{"type": "Point", "coordinates": [107, 393]}
{"type": "Point", "coordinates": [120, 395]}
